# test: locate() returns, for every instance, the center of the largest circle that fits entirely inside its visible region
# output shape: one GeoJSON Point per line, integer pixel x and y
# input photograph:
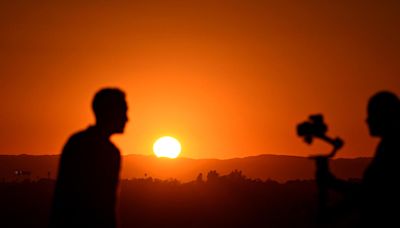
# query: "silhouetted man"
{"type": "Point", "coordinates": [85, 193]}
{"type": "Point", "coordinates": [378, 193]}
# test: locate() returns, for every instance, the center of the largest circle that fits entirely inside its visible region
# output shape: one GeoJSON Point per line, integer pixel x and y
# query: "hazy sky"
{"type": "Point", "coordinates": [227, 78]}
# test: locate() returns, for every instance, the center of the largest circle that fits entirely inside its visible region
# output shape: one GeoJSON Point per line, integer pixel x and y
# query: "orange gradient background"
{"type": "Point", "coordinates": [226, 78]}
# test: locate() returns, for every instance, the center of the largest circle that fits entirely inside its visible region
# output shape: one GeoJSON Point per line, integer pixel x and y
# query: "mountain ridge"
{"type": "Point", "coordinates": [263, 166]}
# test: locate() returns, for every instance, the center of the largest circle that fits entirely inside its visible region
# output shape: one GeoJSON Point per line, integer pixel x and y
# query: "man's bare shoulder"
{"type": "Point", "coordinates": [79, 137]}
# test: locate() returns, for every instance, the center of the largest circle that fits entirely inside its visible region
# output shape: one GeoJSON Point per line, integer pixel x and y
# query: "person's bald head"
{"type": "Point", "coordinates": [110, 109]}
{"type": "Point", "coordinates": [384, 114]}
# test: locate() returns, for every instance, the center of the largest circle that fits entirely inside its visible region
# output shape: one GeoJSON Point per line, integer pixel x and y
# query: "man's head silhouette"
{"type": "Point", "coordinates": [110, 109]}
{"type": "Point", "coordinates": [384, 114]}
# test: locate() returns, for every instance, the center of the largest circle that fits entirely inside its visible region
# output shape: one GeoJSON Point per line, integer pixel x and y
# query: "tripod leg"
{"type": "Point", "coordinates": [322, 179]}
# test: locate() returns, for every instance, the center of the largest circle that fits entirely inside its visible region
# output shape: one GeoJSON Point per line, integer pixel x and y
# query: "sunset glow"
{"type": "Point", "coordinates": [167, 147]}
{"type": "Point", "coordinates": [174, 113]}
{"type": "Point", "coordinates": [234, 78]}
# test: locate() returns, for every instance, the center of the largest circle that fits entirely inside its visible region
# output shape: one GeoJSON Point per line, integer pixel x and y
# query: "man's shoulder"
{"type": "Point", "coordinates": [79, 136]}
{"type": "Point", "coordinates": [89, 137]}
{"type": "Point", "coordinates": [82, 138]}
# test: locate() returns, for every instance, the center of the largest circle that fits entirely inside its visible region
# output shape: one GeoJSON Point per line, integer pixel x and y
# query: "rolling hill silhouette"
{"type": "Point", "coordinates": [276, 167]}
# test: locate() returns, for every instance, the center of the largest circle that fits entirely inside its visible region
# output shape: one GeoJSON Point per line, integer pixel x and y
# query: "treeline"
{"type": "Point", "coordinates": [211, 200]}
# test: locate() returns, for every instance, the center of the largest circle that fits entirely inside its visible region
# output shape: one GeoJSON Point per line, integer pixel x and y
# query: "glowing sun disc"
{"type": "Point", "coordinates": [167, 146]}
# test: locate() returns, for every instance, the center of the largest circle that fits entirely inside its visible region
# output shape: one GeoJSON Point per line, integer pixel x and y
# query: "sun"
{"type": "Point", "coordinates": [167, 146]}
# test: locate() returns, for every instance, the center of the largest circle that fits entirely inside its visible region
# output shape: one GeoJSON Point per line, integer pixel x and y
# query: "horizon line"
{"type": "Point", "coordinates": [179, 157]}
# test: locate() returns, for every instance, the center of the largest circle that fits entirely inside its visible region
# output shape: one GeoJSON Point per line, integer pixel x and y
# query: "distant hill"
{"type": "Point", "coordinates": [276, 167]}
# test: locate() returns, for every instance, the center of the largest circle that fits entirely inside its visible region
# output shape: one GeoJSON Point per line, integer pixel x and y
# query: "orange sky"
{"type": "Point", "coordinates": [228, 79]}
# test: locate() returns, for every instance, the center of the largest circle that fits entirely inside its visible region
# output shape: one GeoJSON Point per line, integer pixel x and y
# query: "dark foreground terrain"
{"type": "Point", "coordinates": [213, 201]}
